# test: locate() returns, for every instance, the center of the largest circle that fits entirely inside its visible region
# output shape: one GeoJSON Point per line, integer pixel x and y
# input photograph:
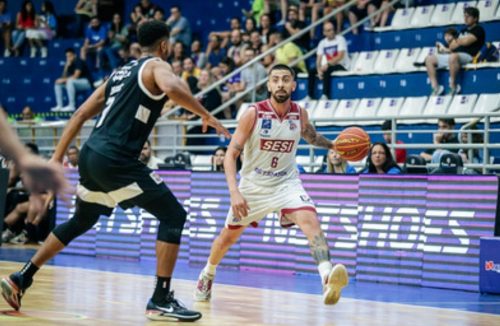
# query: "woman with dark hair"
{"type": "Point", "coordinates": [25, 20]}
{"type": "Point", "coordinates": [380, 160]}
{"type": "Point", "coordinates": [46, 29]}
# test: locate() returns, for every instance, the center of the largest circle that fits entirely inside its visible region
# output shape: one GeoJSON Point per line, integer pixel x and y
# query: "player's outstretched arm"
{"type": "Point", "coordinates": [89, 109]}
{"type": "Point", "coordinates": [310, 134]}
{"type": "Point", "coordinates": [240, 137]}
{"type": "Point", "coordinates": [179, 92]}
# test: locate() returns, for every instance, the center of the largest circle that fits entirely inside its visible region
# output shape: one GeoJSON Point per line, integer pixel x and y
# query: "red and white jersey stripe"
{"type": "Point", "coordinates": [269, 153]}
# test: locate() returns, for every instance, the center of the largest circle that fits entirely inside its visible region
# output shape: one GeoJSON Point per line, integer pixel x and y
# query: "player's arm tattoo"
{"type": "Point", "coordinates": [319, 248]}
{"type": "Point", "coordinates": [237, 146]}
{"type": "Point", "coordinates": [314, 138]}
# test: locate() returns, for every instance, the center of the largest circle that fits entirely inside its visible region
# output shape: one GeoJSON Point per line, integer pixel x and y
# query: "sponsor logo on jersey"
{"type": "Point", "coordinates": [265, 127]}
{"type": "Point", "coordinates": [305, 199]}
{"type": "Point", "coordinates": [156, 178]}
{"type": "Point", "coordinates": [276, 145]}
{"type": "Point", "coordinates": [293, 126]}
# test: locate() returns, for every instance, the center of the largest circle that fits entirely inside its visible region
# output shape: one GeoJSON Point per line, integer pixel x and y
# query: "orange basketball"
{"type": "Point", "coordinates": [352, 144]}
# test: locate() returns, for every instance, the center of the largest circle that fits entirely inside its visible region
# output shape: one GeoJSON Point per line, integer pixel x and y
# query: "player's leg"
{"type": "Point", "coordinates": [220, 246]}
{"type": "Point", "coordinates": [172, 216]}
{"type": "Point", "coordinates": [86, 215]}
{"type": "Point", "coordinates": [334, 278]}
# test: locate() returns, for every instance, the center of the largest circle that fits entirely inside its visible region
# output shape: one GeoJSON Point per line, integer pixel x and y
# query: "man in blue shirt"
{"type": "Point", "coordinates": [179, 27]}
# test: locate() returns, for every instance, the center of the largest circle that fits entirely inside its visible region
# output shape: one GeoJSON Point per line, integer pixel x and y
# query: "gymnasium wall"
{"type": "Point", "coordinates": [414, 230]}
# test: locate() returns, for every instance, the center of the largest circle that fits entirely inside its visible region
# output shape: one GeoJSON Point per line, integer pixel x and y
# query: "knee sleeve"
{"type": "Point", "coordinates": [86, 215]}
{"type": "Point", "coordinates": [171, 215]}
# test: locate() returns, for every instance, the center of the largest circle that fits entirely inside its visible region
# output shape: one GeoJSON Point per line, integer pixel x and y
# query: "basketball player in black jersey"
{"type": "Point", "coordinates": [129, 104]}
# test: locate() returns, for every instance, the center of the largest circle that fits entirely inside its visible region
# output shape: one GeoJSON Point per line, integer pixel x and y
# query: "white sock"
{"type": "Point", "coordinates": [210, 269]}
{"type": "Point", "coordinates": [324, 269]}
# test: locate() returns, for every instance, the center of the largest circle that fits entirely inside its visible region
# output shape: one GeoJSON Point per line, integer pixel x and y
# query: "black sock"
{"type": "Point", "coordinates": [31, 231]}
{"type": "Point", "coordinates": [29, 270]}
{"type": "Point", "coordinates": [161, 289]}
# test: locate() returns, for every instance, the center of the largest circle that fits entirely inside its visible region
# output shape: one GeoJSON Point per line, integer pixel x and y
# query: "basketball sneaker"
{"type": "Point", "coordinates": [336, 280]}
{"type": "Point", "coordinates": [203, 290]}
{"type": "Point", "coordinates": [13, 288]}
{"type": "Point", "coordinates": [170, 309]}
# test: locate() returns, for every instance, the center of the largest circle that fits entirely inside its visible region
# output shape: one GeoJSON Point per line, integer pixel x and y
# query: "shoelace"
{"type": "Point", "coordinates": [175, 302]}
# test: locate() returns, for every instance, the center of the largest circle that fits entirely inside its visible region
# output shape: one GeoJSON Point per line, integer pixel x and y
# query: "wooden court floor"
{"type": "Point", "coordinates": [75, 296]}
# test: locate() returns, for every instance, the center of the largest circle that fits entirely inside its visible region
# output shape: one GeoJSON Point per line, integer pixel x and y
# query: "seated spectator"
{"type": "Point", "coordinates": [471, 155]}
{"type": "Point", "coordinates": [147, 8]}
{"type": "Point", "coordinates": [256, 42]}
{"type": "Point", "coordinates": [331, 5]}
{"type": "Point", "coordinates": [159, 14]}
{"type": "Point", "coordinates": [25, 20]}
{"type": "Point", "coordinates": [178, 52]}
{"type": "Point", "coordinates": [442, 136]}
{"type": "Point", "coordinates": [28, 116]}
{"type": "Point", "coordinates": [235, 51]}
{"type": "Point", "coordinates": [177, 67]}
{"type": "Point", "coordinates": [44, 31]}
{"type": "Point", "coordinates": [137, 17]}
{"type": "Point", "coordinates": [250, 26]}
{"type": "Point", "coordinates": [310, 8]}
{"type": "Point", "coordinates": [400, 152]}
{"type": "Point", "coordinates": [450, 34]}
{"type": "Point", "coordinates": [72, 157]}
{"type": "Point", "coordinates": [331, 55]}
{"type": "Point", "coordinates": [180, 30]}
{"type": "Point", "coordinates": [265, 29]}
{"type": "Point", "coordinates": [335, 164]}
{"type": "Point", "coordinates": [250, 77]}
{"type": "Point", "coordinates": [213, 99]}
{"type": "Point", "coordinates": [85, 10]}
{"type": "Point", "coordinates": [189, 69]}
{"type": "Point", "coordinates": [214, 52]}
{"type": "Point", "coordinates": [135, 51]}
{"type": "Point", "coordinates": [75, 77]}
{"type": "Point", "coordinates": [359, 12]}
{"type": "Point", "coordinates": [380, 160]}
{"type": "Point", "coordinates": [5, 27]}
{"type": "Point", "coordinates": [148, 158]}
{"type": "Point", "coordinates": [95, 39]}
{"type": "Point", "coordinates": [197, 54]}
{"type": "Point", "coordinates": [381, 18]}
{"type": "Point", "coordinates": [287, 53]}
{"type": "Point", "coordinates": [228, 89]}
{"type": "Point", "coordinates": [461, 52]}
{"type": "Point", "coordinates": [117, 39]}
{"type": "Point", "coordinates": [293, 25]}
{"type": "Point", "coordinates": [218, 159]}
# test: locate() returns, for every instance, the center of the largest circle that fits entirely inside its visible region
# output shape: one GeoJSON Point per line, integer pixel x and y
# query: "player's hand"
{"type": "Point", "coordinates": [239, 205]}
{"type": "Point", "coordinates": [211, 121]}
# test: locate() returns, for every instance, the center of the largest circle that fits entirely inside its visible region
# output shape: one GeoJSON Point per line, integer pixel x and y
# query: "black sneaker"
{"type": "Point", "coordinates": [170, 309]}
{"type": "Point", "coordinates": [13, 288]}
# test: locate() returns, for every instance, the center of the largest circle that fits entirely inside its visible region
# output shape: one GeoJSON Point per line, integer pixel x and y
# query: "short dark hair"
{"type": "Point", "coordinates": [387, 125]}
{"type": "Point", "coordinates": [74, 147]}
{"type": "Point", "coordinates": [178, 7]}
{"type": "Point", "coordinates": [70, 50]}
{"type": "Point", "coordinates": [281, 66]}
{"type": "Point", "coordinates": [151, 32]}
{"type": "Point", "coordinates": [449, 122]}
{"type": "Point", "coordinates": [472, 11]}
{"type": "Point", "coordinates": [33, 148]}
{"type": "Point", "coordinates": [453, 32]}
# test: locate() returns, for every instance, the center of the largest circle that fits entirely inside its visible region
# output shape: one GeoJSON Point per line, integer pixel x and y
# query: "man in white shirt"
{"type": "Point", "coordinates": [148, 158]}
{"type": "Point", "coordinates": [331, 56]}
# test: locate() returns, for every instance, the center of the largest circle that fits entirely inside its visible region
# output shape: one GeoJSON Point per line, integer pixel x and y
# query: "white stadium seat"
{"type": "Point", "coordinates": [487, 103]}
{"type": "Point", "coordinates": [458, 14]}
{"type": "Point", "coordinates": [201, 162]}
{"type": "Point", "coordinates": [497, 16]}
{"type": "Point", "coordinates": [462, 104]}
{"type": "Point", "coordinates": [426, 51]}
{"type": "Point", "coordinates": [402, 17]}
{"type": "Point", "coordinates": [422, 16]}
{"type": "Point", "coordinates": [309, 105]}
{"type": "Point", "coordinates": [365, 62]}
{"type": "Point", "coordinates": [305, 161]}
{"type": "Point", "coordinates": [385, 61]}
{"type": "Point", "coordinates": [390, 106]}
{"type": "Point", "coordinates": [406, 58]}
{"type": "Point", "coordinates": [367, 108]}
{"type": "Point", "coordinates": [325, 110]}
{"type": "Point", "coordinates": [413, 106]}
{"type": "Point", "coordinates": [242, 109]}
{"type": "Point", "coordinates": [442, 14]}
{"type": "Point", "coordinates": [437, 105]}
{"type": "Point", "coordinates": [487, 9]}
{"type": "Point", "coordinates": [345, 109]}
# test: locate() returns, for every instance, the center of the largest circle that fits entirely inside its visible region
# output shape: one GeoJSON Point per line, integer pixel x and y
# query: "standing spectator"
{"type": "Point", "coordinates": [380, 160]}
{"type": "Point", "coordinates": [5, 27]}
{"type": "Point", "coordinates": [85, 10]}
{"type": "Point", "coordinates": [462, 50]}
{"type": "Point", "coordinates": [148, 158]}
{"type": "Point", "coordinates": [218, 159]}
{"type": "Point", "coordinates": [75, 77]}
{"type": "Point", "coordinates": [331, 55]}
{"type": "Point", "coordinates": [400, 152]}
{"type": "Point", "coordinates": [444, 135]}
{"type": "Point", "coordinates": [333, 163]}
{"type": "Point", "coordinates": [198, 55]}
{"type": "Point", "coordinates": [95, 39]}
{"type": "Point", "coordinates": [72, 157]}
{"type": "Point", "coordinates": [25, 20]}
{"type": "Point", "coordinates": [214, 52]}
{"type": "Point", "coordinates": [46, 29]}
{"type": "Point", "coordinates": [180, 30]}
{"type": "Point", "coordinates": [293, 25]}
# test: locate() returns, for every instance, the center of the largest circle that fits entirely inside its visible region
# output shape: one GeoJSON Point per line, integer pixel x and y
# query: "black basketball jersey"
{"type": "Point", "coordinates": [129, 115]}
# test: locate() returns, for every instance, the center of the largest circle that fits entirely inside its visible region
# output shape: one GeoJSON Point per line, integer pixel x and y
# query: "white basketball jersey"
{"type": "Point", "coordinates": [269, 153]}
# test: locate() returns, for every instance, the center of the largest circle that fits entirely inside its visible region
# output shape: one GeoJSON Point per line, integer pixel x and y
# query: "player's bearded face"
{"type": "Point", "coordinates": [281, 85]}
{"type": "Point", "coordinates": [281, 95]}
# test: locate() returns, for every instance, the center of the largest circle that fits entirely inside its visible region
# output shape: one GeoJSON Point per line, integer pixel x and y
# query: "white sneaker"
{"type": "Point", "coordinates": [6, 53]}
{"type": "Point", "coordinates": [21, 238]}
{"type": "Point", "coordinates": [32, 52]}
{"type": "Point", "coordinates": [67, 108]}
{"type": "Point", "coordinates": [44, 52]}
{"type": "Point", "coordinates": [337, 279]}
{"type": "Point", "coordinates": [56, 108]}
{"type": "Point", "coordinates": [7, 235]}
{"type": "Point", "coordinates": [203, 290]}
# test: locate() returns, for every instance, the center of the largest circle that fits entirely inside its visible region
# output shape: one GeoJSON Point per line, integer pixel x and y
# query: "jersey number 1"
{"type": "Point", "coordinates": [109, 104]}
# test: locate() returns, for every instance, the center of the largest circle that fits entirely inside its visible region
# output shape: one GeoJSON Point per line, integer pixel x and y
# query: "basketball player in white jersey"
{"type": "Point", "coordinates": [268, 134]}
